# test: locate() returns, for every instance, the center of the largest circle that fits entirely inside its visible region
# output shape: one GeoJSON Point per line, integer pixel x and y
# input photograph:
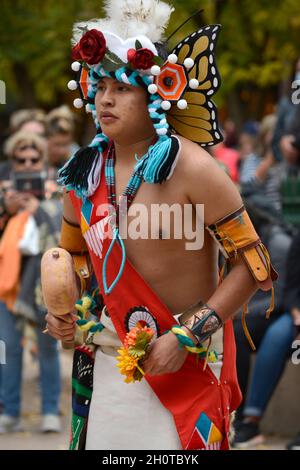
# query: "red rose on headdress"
{"type": "Point", "coordinates": [141, 59]}
{"type": "Point", "coordinates": [91, 47]}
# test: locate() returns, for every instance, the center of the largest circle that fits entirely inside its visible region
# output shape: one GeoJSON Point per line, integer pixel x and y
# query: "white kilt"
{"type": "Point", "coordinates": [127, 416]}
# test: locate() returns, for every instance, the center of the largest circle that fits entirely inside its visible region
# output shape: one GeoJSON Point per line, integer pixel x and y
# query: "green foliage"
{"type": "Point", "coordinates": [35, 46]}
{"type": "Point", "coordinates": [259, 41]}
{"type": "Point", "coordinates": [258, 44]}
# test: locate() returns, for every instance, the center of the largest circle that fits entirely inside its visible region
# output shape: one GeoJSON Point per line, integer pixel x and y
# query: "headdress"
{"type": "Point", "coordinates": [128, 45]}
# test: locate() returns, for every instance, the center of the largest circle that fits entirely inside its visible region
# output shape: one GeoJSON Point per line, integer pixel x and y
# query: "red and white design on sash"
{"type": "Point", "coordinates": [213, 446]}
{"type": "Point", "coordinates": [94, 237]}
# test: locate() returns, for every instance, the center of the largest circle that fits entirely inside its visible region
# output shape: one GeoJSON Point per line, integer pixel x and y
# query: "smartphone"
{"type": "Point", "coordinates": [31, 183]}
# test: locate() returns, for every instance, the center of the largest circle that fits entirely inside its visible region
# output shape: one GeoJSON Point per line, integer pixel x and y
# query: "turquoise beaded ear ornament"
{"type": "Point", "coordinates": [179, 85]}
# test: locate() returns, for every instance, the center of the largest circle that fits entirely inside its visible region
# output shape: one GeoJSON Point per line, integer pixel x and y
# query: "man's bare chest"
{"type": "Point", "coordinates": [157, 212]}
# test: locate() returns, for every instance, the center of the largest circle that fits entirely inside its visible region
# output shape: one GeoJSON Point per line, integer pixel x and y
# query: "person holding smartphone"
{"type": "Point", "coordinates": [23, 212]}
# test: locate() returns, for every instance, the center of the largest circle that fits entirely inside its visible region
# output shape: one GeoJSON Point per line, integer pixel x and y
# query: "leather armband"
{"type": "Point", "coordinates": [71, 238]}
{"type": "Point", "coordinates": [236, 236]}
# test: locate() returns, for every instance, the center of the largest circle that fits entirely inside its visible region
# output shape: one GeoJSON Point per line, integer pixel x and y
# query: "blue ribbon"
{"type": "Point", "coordinates": [116, 237]}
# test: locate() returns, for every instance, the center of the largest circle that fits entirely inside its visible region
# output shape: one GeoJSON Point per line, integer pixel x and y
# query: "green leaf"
{"type": "Point", "coordinates": [111, 62]}
{"type": "Point", "coordinates": [137, 375]}
{"type": "Point", "coordinates": [84, 29]}
{"type": "Point", "coordinates": [109, 66]}
{"type": "Point", "coordinates": [113, 58]}
{"type": "Point", "coordinates": [136, 352]}
{"type": "Point", "coordinates": [158, 60]}
{"type": "Point", "coordinates": [138, 45]}
{"type": "Point", "coordinates": [142, 341]}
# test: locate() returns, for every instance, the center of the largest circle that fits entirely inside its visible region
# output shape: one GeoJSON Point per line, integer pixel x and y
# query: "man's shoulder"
{"type": "Point", "coordinates": [206, 182]}
{"type": "Point", "coordinates": [195, 160]}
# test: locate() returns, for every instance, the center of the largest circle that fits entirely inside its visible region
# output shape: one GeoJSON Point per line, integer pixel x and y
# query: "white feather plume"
{"type": "Point", "coordinates": [129, 18]}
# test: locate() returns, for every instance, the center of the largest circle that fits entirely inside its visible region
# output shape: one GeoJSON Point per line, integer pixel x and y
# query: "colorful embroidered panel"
{"type": "Point", "coordinates": [206, 435]}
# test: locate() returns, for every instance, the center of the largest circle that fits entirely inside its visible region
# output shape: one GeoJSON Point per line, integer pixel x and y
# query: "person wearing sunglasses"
{"type": "Point", "coordinates": [22, 243]}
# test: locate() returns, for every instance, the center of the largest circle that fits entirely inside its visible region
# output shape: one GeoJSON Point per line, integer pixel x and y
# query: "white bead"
{"type": "Point", "coordinates": [155, 70]}
{"type": "Point", "coordinates": [172, 58]}
{"type": "Point", "coordinates": [166, 105]}
{"type": "Point", "coordinates": [162, 131]}
{"type": "Point", "coordinates": [182, 104]}
{"type": "Point", "coordinates": [75, 66]}
{"type": "Point", "coordinates": [72, 85]}
{"type": "Point", "coordinates": [189, 63]}
{"type": "Point", "coordinates": [194, 83]}
{"type": "Point", "coordinates": [163, 122]}
{"type": "Point", "coordinates": [78, 103]}
{"type": "Point", "coordinates": [88, 108]}
{"type": "Point", "coordinates": [152, 89]}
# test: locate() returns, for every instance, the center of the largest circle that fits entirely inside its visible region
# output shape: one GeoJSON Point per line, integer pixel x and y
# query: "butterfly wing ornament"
{"type": "Point", "coordinates": [187, 82]}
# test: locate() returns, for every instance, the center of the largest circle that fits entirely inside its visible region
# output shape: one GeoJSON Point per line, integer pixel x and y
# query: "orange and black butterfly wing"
{"type": "Point", "coordinates": [199, 121]}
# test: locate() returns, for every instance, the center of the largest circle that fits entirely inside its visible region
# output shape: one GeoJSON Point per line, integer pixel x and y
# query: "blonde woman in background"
{"type": "Point", "coordinates": [29, 226]}
{"type": "Point", "coordinates": [26, 120]}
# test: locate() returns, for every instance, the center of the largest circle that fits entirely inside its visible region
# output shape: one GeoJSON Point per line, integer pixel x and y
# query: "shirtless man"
{"type": "Point", "coordinates": [197, 180]}
{"type": "Point", "coordinates": [179, 277]}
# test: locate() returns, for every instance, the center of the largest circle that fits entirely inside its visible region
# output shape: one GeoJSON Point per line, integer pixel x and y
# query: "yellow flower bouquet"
{"type": "Point", "coordinates": [134, 352]}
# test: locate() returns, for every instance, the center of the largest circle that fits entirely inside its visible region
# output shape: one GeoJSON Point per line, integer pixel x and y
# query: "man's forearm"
{"type": "Point", "coordinates": [235, 291]}
{"type": "Point", "coordinates": [251, 269]}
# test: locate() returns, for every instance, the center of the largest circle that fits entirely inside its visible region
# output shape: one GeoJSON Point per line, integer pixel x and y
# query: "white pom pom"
{"type": "Point", "coordinates": [172, 58]}
{"type": "Point", "coordinates": [194, 83]}
{"type": "Point", "coordinates": [88, 108]}
{"type": "Point", "coordinates": [166, 105]}
{"type": "Point", "coordinates": [72, 85]}
{"type": "Point", "coordinates": [78, 103]}
{"type": "Point", "coordinates": [152, 89]}
{"type": "Point", "coordinates": [75, 66]}
{"type": "Point", "coordinates": [182, 104]}
{"type": "Point", "coordinates": [162, 131]}
{"type": "Point", "coordinates": [189, 63]}
{"type": "Point", "coordinates": [155, 70]}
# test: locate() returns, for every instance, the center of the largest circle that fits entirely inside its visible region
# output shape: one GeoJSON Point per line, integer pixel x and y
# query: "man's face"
{"type": "Point", "coordinates": [122, 111]}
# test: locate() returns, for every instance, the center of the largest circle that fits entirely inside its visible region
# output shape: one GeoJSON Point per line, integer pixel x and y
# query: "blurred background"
{"type": "Point", "coordinates": [258, 55]}
{"type": "Point", "coordinates": [257, 51]}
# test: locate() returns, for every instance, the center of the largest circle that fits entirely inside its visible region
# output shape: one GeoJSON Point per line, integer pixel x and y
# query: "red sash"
{"type": "Point", "coordinates": [200, 404]}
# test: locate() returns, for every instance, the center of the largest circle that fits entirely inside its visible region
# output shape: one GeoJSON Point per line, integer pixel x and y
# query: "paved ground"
{"type": "Point", "coordinates": [33, 440]}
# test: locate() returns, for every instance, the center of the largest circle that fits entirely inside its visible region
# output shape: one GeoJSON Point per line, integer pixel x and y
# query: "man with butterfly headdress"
{"type": "Point", "coordinates": [153, 112]}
